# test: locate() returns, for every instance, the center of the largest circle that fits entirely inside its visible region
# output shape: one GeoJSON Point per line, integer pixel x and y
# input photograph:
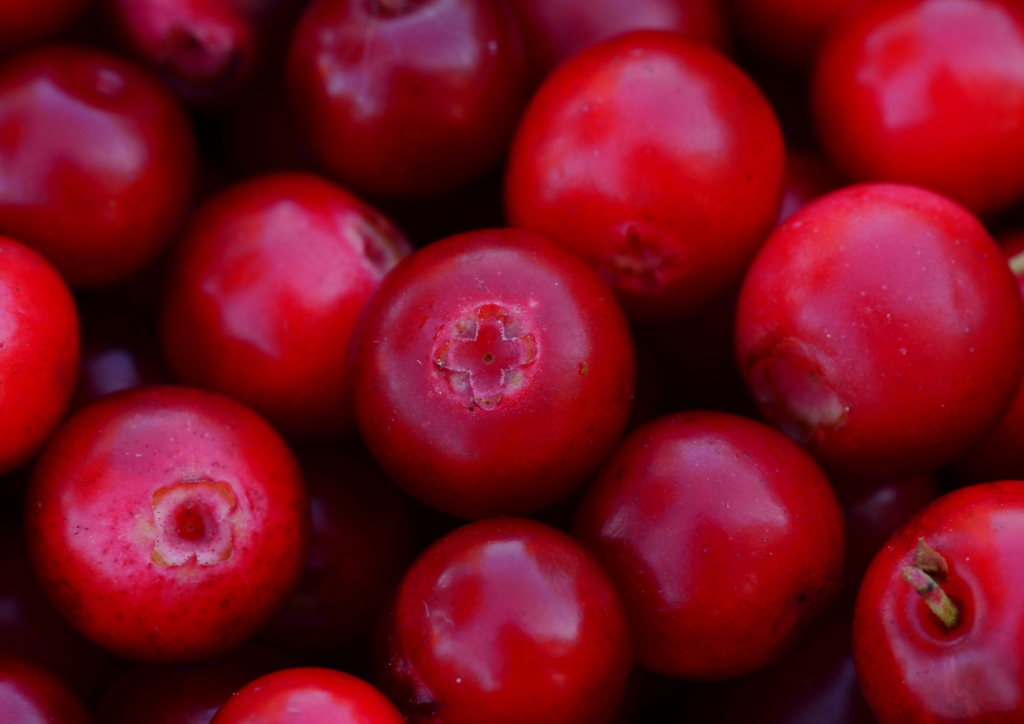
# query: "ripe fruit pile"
{"type": "Point", "coordinates": [448, 361]}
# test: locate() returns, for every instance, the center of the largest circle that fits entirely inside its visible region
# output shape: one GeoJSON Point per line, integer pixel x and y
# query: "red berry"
{"type": "Point", "coordinates": [655, 160]}
{"type": "Point", "coordinates": [309, 695]}
{"type": "Point", "coordinates": [964, 660]}
{"type": "Point", "coordinates": [39, 347]}
{"type": "Point", "coordinates": [492, 373]}
{"type": "Point", "coordinates": [268, 281]}
{"type": "Point", "coordinates": [928, 92]}
{"type": "Point", "coordinates": [558, 29]}
{"type": "Point", "coordinates": [167, 524]}
{"type": "Point", "coordinates": [881, 327]}
{"type": "Point", "coordinates": [30, 694]}
{"type": "Point", "coordinates": [723, 536]}
{"type": "Point", "coordinates": [96, 162]}
{"type": "Point", "coordinates": [205, 50]}
{"type": "Point", "coordinates": [407, 98]}
{"type": "Point", "coordinates": [508, 620]}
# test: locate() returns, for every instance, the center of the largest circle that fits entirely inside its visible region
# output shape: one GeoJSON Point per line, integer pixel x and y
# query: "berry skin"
{"type": "Point", "coordinates": [39, 350]}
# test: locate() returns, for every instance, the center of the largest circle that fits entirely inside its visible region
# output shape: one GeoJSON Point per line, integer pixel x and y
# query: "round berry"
{"type": "Point", "coordinates": [166, 523]}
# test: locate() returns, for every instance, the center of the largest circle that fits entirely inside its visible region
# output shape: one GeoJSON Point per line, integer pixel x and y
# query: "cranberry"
{"type": "Point", "coordinates": [492, 373]}
{"type": "Point", "coordinates": [309, 695]}
{"type": "Point", "coordinates": [96, 162]}
{"type": "Point", "coordinates": [928, 92]}
{"type": "Point", "coordinates": [881, 327]}
{"type": "Point", "coordinates": [635, 155]}
{"type": "Point", "coordinates": [39, 347]}
{"type": "Point", "coordinates": [508, 620]}
{"type": "Point", "coordinates": [937, 634]}
{"type": "Point", "coordinates": [391, 106]}
{"type": "Point", "coordinates": [167, 524]}
{"type": "Point", "coordinates": [269, 278]}
{"type": "Point", "coordinates": [723, 536]}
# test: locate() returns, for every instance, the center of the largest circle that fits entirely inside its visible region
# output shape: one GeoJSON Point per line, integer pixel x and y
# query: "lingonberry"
{"type": "Point", "coordinates": [96, 161]}
{"type": "Point", "coordinates": [635, 154]}
{"type": "Point", "coordinates": [928, 92]}
{"type": "Point", "coordinates": [881, 327]}
{"type": "Point", "coordinates": [166, 523]}
{"type": "Point", "coordinates": [937, 634]}
{"type": "Point", "coordinates": [206, 50]}
{"type": "Point", "coordinates": [506, 621]}
{"type": "Point", "coordinates": [558, 29]}
{"type": "Point", "coordinates": [268, 280]}
{"type": "Point", "coordinates": [39, 347]}
{"type": "Point", "coordinates": [999, 453]}
{"type": "Point", "coordinates": [30, 693]}
{"type": "Point", "coordinates": [414, 122]}
{"type": "Point", "coordinates": [723, 536]}
{"type": "Point", "coordinates": [310, 695]}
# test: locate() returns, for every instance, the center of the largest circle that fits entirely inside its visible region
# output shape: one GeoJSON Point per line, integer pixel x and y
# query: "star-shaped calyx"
{"type": "Point", "coordinates": [193, 523]}
{"type": "Point", "coordinates": [486, 356]}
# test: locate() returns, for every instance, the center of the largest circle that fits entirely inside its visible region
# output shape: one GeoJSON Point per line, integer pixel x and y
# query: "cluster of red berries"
{"type": "Point", "coordinates": [548, 361]}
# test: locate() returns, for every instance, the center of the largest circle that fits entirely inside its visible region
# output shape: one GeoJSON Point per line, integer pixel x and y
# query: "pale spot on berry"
{"type": "Point", "coordinates": [193, 523]}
